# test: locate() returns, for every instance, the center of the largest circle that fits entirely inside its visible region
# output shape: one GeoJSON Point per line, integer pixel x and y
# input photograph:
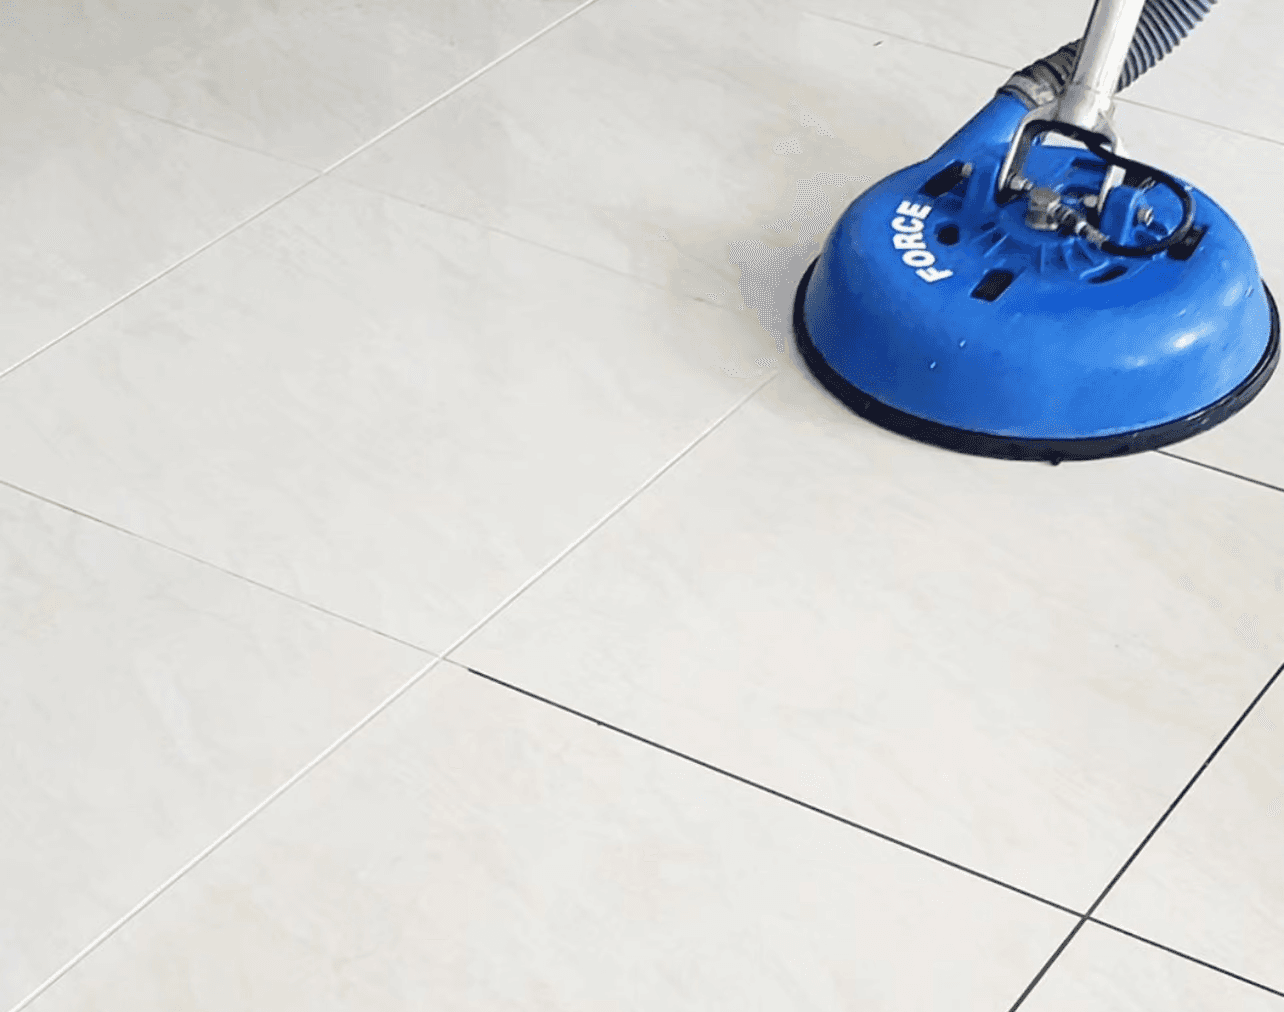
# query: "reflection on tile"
{"type": "Point", "coordinates": [149, 702]}
{"type": "Point", "coordinates": [95, 201]}
{"type": "Point", "coordinates": [1017, 666]}
{"type": "Point", "coordinates": [1105, 971]}
{"type": "Point", "coordinates": [375, 408]}
{"type": "Point", "coordinates": [474, 849]}
{"type": "Point", "coordinates": [1234, 170]}
{"type": "Point", "coordinates": [303, 80]}
{"type": "Point", "coordinates": [1211, 883]}
{"type": "Point", "coordinates": [713, 132]}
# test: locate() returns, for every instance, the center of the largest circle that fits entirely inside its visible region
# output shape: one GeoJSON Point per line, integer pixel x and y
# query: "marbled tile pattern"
{"type": "Point", "coordinates": [387, 411]}
{"type": "Point", "coordinates": [96, 200]}
{"type": "Point", "coordinates": [745, 703]}
{"type": "Point", "coordinates": [1210, 885]}
{"type": "Point", "coordinates": [1109, 972]}
{"type": "Point", "coordinates": [480, 850]}
{"type": "Point", "coordinates": [303, 80]}
{"type": "Point", "coordinates": [935, 645]}
{"type": "Point", "coordinates": [149, 702]}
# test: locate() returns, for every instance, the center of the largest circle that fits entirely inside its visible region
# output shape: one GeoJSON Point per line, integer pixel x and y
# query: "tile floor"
{"type": "Point", "coordinates": [429, 580]}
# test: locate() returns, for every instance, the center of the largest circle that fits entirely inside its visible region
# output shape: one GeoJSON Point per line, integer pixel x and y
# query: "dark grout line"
{"type": "Point", "coordinates": [1270, 682]}
{"type": "Point", "coordinates": [391, 700]}
{"type": "Point", "coordinates": [1043, 970]}
{"type": "Point", "coordinates": [1188, 957]}
{"type": "Point", "coordinates": [1150, 835]}
{"type": "Point", "coordinates": [1220, 470]}
{"type": "Point", "coordinates": [895, 841]}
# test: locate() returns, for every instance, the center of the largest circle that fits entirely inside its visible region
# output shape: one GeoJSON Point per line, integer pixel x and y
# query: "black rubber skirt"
{"type": "Point", "coordinates": [1052, 451]}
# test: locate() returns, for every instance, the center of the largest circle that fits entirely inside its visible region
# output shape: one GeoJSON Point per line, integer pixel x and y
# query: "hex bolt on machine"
{"type": "Point", "coordinates": [1030, 293]}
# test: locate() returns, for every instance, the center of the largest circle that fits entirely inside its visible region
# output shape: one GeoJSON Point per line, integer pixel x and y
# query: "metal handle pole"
{"type": "Point", "coordinates": [1089, 97]}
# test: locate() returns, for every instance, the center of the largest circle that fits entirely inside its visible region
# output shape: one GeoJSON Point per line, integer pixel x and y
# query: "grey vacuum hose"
{"type": "Point", "coordinates": [1163, 24]}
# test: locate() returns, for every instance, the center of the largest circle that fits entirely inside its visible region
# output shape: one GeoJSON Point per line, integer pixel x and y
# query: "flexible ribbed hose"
{"type": "Point", "coordinates": [1162, 25]}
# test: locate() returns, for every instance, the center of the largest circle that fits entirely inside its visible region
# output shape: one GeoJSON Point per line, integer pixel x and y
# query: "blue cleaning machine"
{"type": "Point", "coordinates": [1029, 292]}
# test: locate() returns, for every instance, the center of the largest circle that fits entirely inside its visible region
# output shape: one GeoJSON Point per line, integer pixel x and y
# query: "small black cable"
{"type": "Point", "coordinates": [1096, 143]}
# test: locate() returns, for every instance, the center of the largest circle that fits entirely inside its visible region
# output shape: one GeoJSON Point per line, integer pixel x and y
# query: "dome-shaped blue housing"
{"type": "Point", "coordinates": [938, 312]}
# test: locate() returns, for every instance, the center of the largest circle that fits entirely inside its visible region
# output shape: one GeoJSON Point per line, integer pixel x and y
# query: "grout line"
{"type": "Point", "coordinates": [1043, 971]}
{"type": "Point", "coordinates": [1202, 122]}
{"type": "Point", "coordinates": [414, 680]}
{"type": "Point", "coordinates": [487, 227]}
{"type": "Point", "coordinates": [1187, 789]}
{"type": "Point", "coordinates": [721, 771]}
{"type": "Point", "coordinates": [875, 30]}
{"type": "Point", "coordinates": [297, 189]}
{"type": "Point", "coordinates": [349, 620]}
{"type": "Point", "coordinates": [458, 85]}
{"type": "Point", "coordinates": [1188, 957]}
{"type": "Point", "coordinates": [1220, 470]}
{"type": "Point", "coordinates": [156, 277]}
{"type": "Point", "coordinates": [1150, 835]}
{"type": "Point", "coordinates": [53, 83]}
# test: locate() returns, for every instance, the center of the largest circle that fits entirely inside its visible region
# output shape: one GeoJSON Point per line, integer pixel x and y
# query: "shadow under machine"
{"type": "Point", "coordinates": [1030, 292]}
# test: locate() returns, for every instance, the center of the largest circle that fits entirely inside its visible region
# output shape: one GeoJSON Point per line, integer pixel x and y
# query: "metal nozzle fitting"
{"type": "Point", "coordinates": [1041, 214]}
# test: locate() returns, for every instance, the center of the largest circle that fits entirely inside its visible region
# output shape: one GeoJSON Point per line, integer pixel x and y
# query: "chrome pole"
{"type": "Point", "coordinates": [1088, 98]}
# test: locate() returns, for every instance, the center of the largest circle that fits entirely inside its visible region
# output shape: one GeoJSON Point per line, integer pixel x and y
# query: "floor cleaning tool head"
{"type": "Point", "coordinates": [1030, 293]}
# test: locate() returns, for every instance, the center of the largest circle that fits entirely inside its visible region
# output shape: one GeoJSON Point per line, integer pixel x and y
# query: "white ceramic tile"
{"type": "Point", "coordinates": [1105, 971]}
{"type": "Point", "coordinates": [1013, 35]}
{"type": "Point", "coordinates": [300, 79]}
{"type": "Point", "coordinates": [1227, 71]}
{"type": "Point", "coordinates": [477, 850]}
{"type": "Point", "coordinates": [1018, 666]}
{"type": "Point", "coordinates": [391, 413]}
{"type": "Point", "coordinates": [149, 702]}
{"type": "Point", "coordinates": [713, 134]}
{"type": "Point", "coordinates": [96, 200]}
{"type": "Point", "coordinates": [1211, 882]}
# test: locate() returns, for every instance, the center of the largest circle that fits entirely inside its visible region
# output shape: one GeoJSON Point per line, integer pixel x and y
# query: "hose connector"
{"type": "Point", "coordinates": [1041, 83]}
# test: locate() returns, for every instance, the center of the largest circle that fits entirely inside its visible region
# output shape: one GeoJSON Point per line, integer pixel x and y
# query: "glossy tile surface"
{"type": "Point", "coordinates": [478, 850]}
{"type": "Point", "coordinates": [712, 134]}
{"type": "Point", "coordinates": [1105, 971]}
{"type": "Point", "coordinates": [305, 81]}
{"type": "Point", "coordinates": [381, 410]}
{"type": "Point", "coordinates": [1238, 41]}
{"type": "Point", "coordinates": [1211, 883]}
{"type": "Point", "coordinates": [518, 379]}
{"type": "Point", "coordinates": [150, 701]}
{"type": "Point", "coordinates": [1016, 667]}
{"type": "Point", "coordinates": [97, 200]}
